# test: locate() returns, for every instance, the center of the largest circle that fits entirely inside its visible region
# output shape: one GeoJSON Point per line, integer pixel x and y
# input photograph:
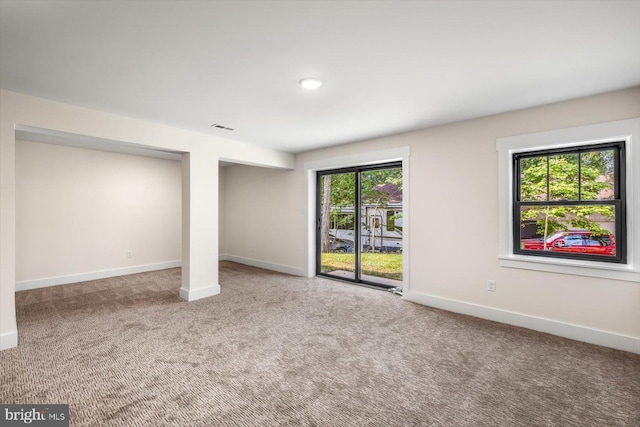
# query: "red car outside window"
{"type": "Point", "coordinates": [585, 242]}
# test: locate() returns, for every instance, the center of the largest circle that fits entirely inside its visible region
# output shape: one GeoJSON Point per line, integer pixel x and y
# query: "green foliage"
{"type": "Point", "coordinates": [371, 179]}
{"type": "Point", "coordinates": [533, 179]}
{"type": "Point", "coordinates": [561, 177]}
{"type": "Point", "coordinates": [343, 185]}
{"type": "Point", "coordinates": [562, 218]}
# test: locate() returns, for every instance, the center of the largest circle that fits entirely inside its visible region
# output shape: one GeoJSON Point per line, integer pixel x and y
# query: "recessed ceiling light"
{"type": "Point", "coordinates": [310, 83]}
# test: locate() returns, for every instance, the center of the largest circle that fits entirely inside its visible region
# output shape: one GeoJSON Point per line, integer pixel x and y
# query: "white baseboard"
{"type": "Point", "coordinates": [196, 294]}
{"type": "Point", "coordinates": [294, 271]}
{"type": "Point", "coordinates": [8, 340]}
{"type": "Point", "coordinates": [94, 275]}
{"type": "Point", "coordinates": [566, 330]}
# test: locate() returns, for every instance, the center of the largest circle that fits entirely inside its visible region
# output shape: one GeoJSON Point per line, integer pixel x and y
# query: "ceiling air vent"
{"type": "Point", "coordinates": [219, 126]}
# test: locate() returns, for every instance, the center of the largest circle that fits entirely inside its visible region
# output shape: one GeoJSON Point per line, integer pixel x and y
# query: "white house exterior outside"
{"type": "Point", "coordinates": [381, 228]}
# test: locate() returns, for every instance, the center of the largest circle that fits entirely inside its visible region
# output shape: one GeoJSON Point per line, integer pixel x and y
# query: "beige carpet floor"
{"type": "Point", "coordinates": [277, 350]}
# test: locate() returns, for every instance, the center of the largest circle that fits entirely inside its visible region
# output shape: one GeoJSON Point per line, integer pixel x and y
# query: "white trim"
{"type": "Point", "coordinates": [94, 275]}
{"type": "Point", "coordinates": [360, 159]}
{"type": "Point", "coordinates": [628, 130]}
{"type": "Point", "coordinates": [566, 330]}
{"type": "Point", "coordinates": [600, 270]}
{"type": "Point", "coordinates": [196, 294]}
{"type": "Point", "coordinates": [8, 340]}
{"type": "Point", "coordinates": [294, 271]}
{"type": "Point", "coordinates": [311, 223]}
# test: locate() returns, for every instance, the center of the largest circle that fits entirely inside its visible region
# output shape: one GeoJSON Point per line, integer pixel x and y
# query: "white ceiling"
{"type": "Point", "coordinates": [387, 66]}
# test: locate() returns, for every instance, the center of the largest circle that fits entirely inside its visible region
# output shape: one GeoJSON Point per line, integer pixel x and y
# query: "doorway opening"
{"type": "Point", "coordinates": [359, 224]}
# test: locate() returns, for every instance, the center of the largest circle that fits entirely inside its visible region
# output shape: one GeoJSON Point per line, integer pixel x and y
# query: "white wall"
{"type": "Point", "coordinates": [79, 211]}
{"type": "Point", "coordinates": [222, 185]}
{"type": "Point", "coordinates": [453, 183]}
{"type": "Point", "coordinates": [259, 205]}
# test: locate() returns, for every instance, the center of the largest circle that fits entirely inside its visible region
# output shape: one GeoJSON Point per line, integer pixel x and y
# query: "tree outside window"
{"type": "Point", "coordinates": [571, 195]}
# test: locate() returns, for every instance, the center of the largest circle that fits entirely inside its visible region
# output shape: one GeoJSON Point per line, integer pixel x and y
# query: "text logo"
{"type": "Point", "coordinates": [35, 415]}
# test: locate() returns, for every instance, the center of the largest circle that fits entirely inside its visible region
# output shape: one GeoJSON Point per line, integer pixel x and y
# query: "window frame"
{"type": "Point", "coordinates": [622, 130]}
{"type": "Point", "coordinates": [618, 202]}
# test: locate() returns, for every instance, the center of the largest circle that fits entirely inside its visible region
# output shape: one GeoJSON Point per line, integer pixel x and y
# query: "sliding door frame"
{"type": "Point", "coordinates": [357, 246]}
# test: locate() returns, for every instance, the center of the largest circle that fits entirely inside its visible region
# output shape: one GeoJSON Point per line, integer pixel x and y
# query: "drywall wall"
{"type": "Point", "coordinates": [200, 156]}
{"type": "Point", "coordinates": [453, 183]}
{"type": "Point", "coordinates": [222, 180]}
{"type": "Point", "coordinates": [259, 207]}
{"type": "Point", "coordinates": [81, 211]}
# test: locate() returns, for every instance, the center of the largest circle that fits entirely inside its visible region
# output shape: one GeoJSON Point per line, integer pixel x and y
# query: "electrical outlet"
{"type": "Point", "coordinates": [129, 253]}
{"type": "Point", "coordinates": [491, 285]}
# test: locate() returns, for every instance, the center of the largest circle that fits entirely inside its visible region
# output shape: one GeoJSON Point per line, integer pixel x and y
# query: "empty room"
{"type": "Point", "coordinates": [320, 213]}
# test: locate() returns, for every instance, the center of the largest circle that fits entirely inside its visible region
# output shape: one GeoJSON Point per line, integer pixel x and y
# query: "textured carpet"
{"type": "Point", "coordinates": [277, 350]}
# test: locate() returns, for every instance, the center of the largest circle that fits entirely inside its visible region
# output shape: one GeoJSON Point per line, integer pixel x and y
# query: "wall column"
{"type": "Point", "coordinates": [8, 326]}
{"type": "Point", "coordinates": [199, 225]}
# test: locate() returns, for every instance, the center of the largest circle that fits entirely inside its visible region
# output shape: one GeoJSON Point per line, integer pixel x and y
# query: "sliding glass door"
{"type": "Point", "coordinates": [337, 224]}
{"type": "Point", "coordinates": [360, 224]}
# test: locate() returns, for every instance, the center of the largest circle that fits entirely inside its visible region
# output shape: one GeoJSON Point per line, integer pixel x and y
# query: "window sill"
{"type": "Point", "coordinates": [573, 267]}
